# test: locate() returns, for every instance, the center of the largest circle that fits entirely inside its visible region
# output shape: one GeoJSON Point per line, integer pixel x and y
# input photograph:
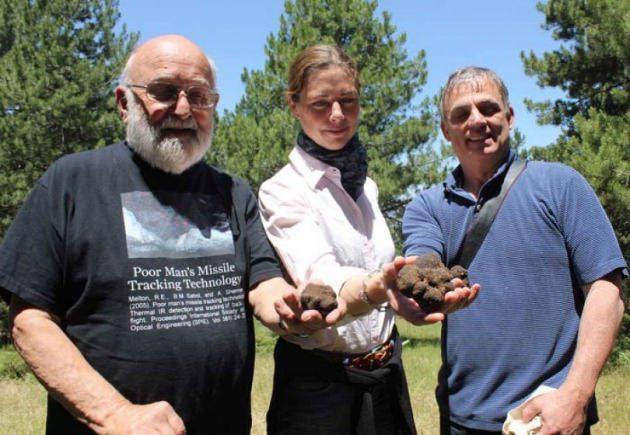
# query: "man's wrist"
{"type": "Point", "coordinates": [103, 419]}
{"type": "Point", "coordinates": [581, 395]}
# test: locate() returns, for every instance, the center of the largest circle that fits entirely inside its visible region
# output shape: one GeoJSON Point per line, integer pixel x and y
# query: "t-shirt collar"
{"type": "Point", "coordinates": [455, 180]}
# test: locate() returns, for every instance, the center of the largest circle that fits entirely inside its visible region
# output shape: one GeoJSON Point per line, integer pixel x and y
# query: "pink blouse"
{"type": "Point", "coordinates": [322, 234]}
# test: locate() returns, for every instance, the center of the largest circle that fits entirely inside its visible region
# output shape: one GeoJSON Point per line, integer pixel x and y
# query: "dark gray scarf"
{"type": "Point", "coordinates": [351, 161]}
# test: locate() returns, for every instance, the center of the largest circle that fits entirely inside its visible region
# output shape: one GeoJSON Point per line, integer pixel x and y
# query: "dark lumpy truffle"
{"type": "Point", "coordinates": [459, 272]}
{"type": "Point", "coordinates": [428, 280]}
{"type": "Point", "coordinates": [318, 297]}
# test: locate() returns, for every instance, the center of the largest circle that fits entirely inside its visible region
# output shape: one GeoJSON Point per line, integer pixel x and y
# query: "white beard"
{"type": "Point", "coordinates": [170, 154]}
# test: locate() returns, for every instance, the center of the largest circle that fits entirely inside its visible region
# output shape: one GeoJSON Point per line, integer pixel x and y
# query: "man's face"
{"type": "Point", "coordinates": [171, 152]}
{"type": "Point", "coordinates": [174, 136]}
{"type": "Point", "coordinates": [477, 122]}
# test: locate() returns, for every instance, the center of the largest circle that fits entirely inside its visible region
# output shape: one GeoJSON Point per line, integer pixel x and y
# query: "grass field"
{"type": "Point", "coordinates": [22, 401]}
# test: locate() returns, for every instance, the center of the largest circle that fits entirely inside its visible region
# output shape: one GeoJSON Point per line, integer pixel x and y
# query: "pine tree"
{"type": "Point", "coordinates": [592, 68]}
{"type": "Point", "coordinates": [255, 139]}
{"type": "Point", "coordinates": [592, 65]}
{"type": "Point", "coordinates": [59, 61]}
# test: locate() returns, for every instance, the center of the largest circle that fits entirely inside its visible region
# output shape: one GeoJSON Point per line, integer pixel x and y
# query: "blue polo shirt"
{"type": "Point", "coordinates": [550, 237]}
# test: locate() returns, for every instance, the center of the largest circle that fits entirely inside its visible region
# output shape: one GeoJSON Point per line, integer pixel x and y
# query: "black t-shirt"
{"type": "Point", "coordinates": [149, 273]}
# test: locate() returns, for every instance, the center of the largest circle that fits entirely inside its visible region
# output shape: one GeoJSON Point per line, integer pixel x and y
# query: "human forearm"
{"type": "Point", "coordinates": [599, 325]}
{"type": "Point", "coordinates": [564, 410]}
{"type": "Point", "coordinates": [366, 291]}
{"type": "Point", "coordinates": [363, 292]}
{"type": "Point", "coordinates": [61, 368]}
{"type": "Point", "coordinates": [71, 380]}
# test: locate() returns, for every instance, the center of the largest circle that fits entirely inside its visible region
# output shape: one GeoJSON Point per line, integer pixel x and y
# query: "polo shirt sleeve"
{"type": "Point", "coordinates": [31, 256]}
{"type": "Point", "coordinates": [589, 236]}
{"type": "Point", "coordinates": [420, 228]}
{"type": "Point", "coordinates": [263, 263]}
{"type": "Point", "coordinates": [301, 242]}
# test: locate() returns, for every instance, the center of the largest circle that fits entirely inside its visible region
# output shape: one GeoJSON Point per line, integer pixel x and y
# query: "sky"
{"type": "Point", "coordinates": [453, 33]}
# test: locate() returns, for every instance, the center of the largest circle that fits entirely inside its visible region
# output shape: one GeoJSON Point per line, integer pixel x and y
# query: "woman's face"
{"type": "Point", "coordinates": [328, 107]}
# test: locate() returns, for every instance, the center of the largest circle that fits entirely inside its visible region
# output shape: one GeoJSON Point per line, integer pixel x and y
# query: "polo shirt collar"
{"type": "Point", "coordinates": [455, 180]}
{"type": "Point", "coordinates": [312, 169]}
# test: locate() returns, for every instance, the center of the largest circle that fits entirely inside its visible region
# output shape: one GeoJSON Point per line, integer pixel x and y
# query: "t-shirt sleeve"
{"type": "Point", "coordinates": [420, 229]}
{"type": "Point", "coordinates": [31, 253]}
{"type": "Point", "coordinates": [589, 236]}
{"type": "Point", "coordinates": [263, 262]}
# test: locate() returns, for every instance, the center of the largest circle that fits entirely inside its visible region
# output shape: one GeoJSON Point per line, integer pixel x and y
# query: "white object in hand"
{"type": "Point", "coordinates": [514, 425]}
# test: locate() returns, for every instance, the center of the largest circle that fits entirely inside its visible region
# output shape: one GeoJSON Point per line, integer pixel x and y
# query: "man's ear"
{"type": "Point", "coordinates": [445, 131]}
{"type": "Point", "coordinates": [121, 102]}
{"type": "Point", "coordinates": [511, 117]}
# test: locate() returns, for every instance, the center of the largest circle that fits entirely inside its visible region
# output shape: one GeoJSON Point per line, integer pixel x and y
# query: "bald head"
{"type": "Point", "coordinates": [168, 56]}
{"type": "Point", "coordinates": [165, 97]}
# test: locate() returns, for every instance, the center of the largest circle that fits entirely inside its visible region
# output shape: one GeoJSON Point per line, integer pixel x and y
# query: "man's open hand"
{"type": "Point", "coordinates": [409, 309]}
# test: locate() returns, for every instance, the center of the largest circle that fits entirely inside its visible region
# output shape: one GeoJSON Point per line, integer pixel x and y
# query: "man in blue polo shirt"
{"type": "Point", "coordinates": [550, 270]}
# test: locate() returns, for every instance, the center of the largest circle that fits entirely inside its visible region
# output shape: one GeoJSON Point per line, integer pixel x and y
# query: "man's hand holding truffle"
{"type": "Point", "coordinates": [425, 289]}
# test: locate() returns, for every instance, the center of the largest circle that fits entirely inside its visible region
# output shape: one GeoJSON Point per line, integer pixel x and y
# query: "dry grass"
{"type": "Point", "coordinates": [613, 401]}
{"type": "Point", "coordinates": [261, 392]}
{"type": "Point", "coordinates": [421, 356]}
{"type": "Point", "coordinates": [22, 406]}
{"type": "Point", "coordinates": [22, 402]}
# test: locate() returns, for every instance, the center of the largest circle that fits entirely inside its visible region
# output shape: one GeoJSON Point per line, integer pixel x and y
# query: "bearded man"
{"type": "Point", "coordinates": [133, 270]}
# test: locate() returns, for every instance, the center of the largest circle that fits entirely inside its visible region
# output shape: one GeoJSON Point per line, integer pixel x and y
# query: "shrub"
{"type": "Point", "coordinates": [12, 366]}
{"type": "Point", "coordinates": [5, 337]}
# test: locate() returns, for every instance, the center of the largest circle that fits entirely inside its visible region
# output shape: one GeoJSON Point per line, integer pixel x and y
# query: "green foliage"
{"type": "Point", "coordinates": [621, 353]}
{"type": "Point", "coordinates": [4, 323]}
{"type": "Point", "coordinates": [592, 68]}
{"type": "Point", "coordinates": [517, 142]}
{"type": "Point", "coordinates": [12, 366]}
{"type": "Point", "coordinates": [58, 63]}
{"type": "Point", "coordinates": [592, 64]}
{"type": "Point", "coordinates": [254, 140]}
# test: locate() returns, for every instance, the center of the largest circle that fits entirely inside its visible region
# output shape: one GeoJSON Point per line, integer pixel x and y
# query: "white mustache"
{"type": "Point", "coordinates": [172, 122]}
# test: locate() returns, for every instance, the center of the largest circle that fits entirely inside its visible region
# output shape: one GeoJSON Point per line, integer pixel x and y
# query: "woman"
{"type": "Point", "coordinates": [321, 214]}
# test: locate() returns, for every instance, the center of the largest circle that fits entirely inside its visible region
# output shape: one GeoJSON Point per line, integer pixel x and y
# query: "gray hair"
{"type": "Point", "coordinates": [126, 71]}
{"type": "Point", "coordinates": [472, 75]}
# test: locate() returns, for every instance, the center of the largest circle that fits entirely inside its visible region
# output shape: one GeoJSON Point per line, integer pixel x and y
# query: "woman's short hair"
{"type": "Point", "coordinates": [314, 58]}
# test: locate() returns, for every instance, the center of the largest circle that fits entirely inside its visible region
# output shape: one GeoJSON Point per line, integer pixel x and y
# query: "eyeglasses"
{"type": "Point", "coordinates": [199, 97]}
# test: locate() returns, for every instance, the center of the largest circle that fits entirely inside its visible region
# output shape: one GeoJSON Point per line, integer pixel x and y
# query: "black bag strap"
{"type": "Point", "coordinates": [485, 217]}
